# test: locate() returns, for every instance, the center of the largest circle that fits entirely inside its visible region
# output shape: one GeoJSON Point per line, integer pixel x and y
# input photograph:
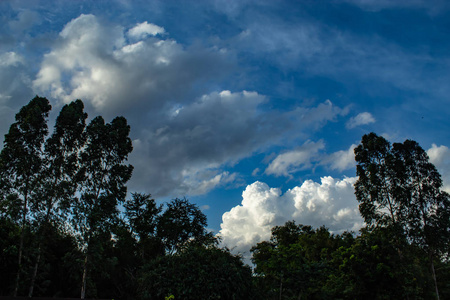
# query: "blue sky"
{"type": "Point", "coordinates": [250, 109]}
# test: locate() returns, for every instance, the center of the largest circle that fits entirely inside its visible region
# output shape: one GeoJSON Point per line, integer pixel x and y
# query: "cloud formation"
{"type": "Point", "coordinates": [309, 156]}
{"type": "Point", "coordinates": [142, 30]}
{"type": "Point", "coordinates": [331, 203]}
{"type": "Point", "coordinates": [185, 150]}
{"type": "Point", "coordinates": [361, 119]}
{"type": "Point", "coordinates": [96, 63]}
{"type": "Point", "coordinates": [341, 160]}
{"type": "Point", "coordinates": [295, 160]}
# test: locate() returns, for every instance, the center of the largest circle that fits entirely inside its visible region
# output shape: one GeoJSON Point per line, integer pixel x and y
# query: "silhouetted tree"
{"type": "Point", "coordinates": [22, 162]}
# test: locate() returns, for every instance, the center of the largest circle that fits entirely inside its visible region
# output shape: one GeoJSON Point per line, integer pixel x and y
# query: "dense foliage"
{"type": "Point", "coordinates": [67, 228]}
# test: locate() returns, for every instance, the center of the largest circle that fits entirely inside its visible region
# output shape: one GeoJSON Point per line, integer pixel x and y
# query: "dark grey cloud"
{"type": "Point", "coordinates": [185, 149]}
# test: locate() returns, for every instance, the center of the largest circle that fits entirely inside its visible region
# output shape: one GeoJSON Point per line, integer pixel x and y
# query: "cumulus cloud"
{"type": "Point", "coordinates": [361, 119]}
{"type": "Point", "coordinates": [440, 157]}
{"type": "Point", "coordinates": [94, 62]}
{"type": "Point", "coordinates": [293, 161]}
{"type": "Point", "coordinates": [331, 203]}
{"type": "Point", "coordinates": [144, 29]}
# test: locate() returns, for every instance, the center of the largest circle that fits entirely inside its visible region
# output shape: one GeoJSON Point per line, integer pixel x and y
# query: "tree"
{"type": "Point", "coordinates": [22, 163]}
{"type": "Point", "coordinates": [61, 165]}
{"type": "Point", "coordinates": [295, 262]}
{"type": "Point", "coordinates": [102, 182]}
{"type": "Point", "coordinates": [377, 186]}
{"type": "Point", "coordinates": [398, 188]}
{"type": "Point", "coordinates": [142, 214]}
{"type": "Point", "coordinates": [183, 223]}
{"type": "Point", "coordinates": [427, 207]}
{"type": "Point", "coordinates": [197, 272]}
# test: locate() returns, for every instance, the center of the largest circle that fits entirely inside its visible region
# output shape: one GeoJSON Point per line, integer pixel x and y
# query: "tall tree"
{"type": "Point", "coordinates": [427, 207]}
{"type": "Point", "coordinates": [377, 186]}
{"type": "Point", "coordinates": [103, 177]}
{"type": "Point", "coordinates": [399, 188]}
{"type": "Point", "coordinates": [61, 165]}
{"type": "Point", "coordinates": [22, 162]}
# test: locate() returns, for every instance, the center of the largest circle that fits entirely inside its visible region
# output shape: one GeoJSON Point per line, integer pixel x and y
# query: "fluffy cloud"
{"type": "Point", "coordinates": [96, 63]}
{"type": "Point", "coordinates": [144, 29]}
{"type": "Point", "coordinates": [361, 119]}
{"type": "Point", "coordinates": [292, 161]}
{"type": "Point", "coordinates": [440, 157]}
{"type": "Point", "coordinates": [331, 203]}
{"type": "Point", "coordinates": [341, 160]}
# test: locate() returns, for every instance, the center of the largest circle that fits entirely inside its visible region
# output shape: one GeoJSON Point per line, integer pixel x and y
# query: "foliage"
{"type": "Point", "coordinates": [296, 261]}
{"type": "Point", "coordinates": [197, 272]}
{"type": "Point", "coordinates": [399, 189]}
{"type": "Point", "coordinates": [182, 224]}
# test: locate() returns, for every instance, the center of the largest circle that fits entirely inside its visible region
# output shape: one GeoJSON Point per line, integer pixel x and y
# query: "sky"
{"type": "Point", "coordinates": [251, 109]}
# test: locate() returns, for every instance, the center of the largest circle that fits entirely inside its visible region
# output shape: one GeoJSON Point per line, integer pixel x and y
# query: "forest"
{"type": "Point", "coordinates": [69, 228]}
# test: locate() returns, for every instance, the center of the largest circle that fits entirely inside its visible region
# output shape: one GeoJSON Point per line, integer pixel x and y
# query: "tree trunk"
{"type": "Point", "coordinates": [22, 234]}
{"type": "Point", "coordinates": [33, 279]}
{"type": "Point", "coordinates": [83, 282]}
{"type": "Point", "coordinates": [434, 277]}
{"type": "Point", "coordinates": [16, 287]}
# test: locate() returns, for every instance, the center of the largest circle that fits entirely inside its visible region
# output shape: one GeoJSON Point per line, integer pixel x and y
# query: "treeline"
{"type": "Point", "coordinates": [67, 228]}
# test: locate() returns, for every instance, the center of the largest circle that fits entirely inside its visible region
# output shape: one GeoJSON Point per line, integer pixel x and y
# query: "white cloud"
{"type": "Point", "coordinates": [331, 203]}
{"type": "Point", "coordinates": [94, 62]}
{"type": "Point", "coordinates": [308, 156]}
{"type": "Point", "coordinates": [203, 181]}
{"type": "Point", "coordinates": [361, 119]}
{"type": "Point", "coordinates": [293, 161]}
{"type": "Point", "coordinates": [440, 157]}
{"type": "Point", "coordinates": [341, 160]}
{"type": "Point", "coordinates": [144, 29]}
